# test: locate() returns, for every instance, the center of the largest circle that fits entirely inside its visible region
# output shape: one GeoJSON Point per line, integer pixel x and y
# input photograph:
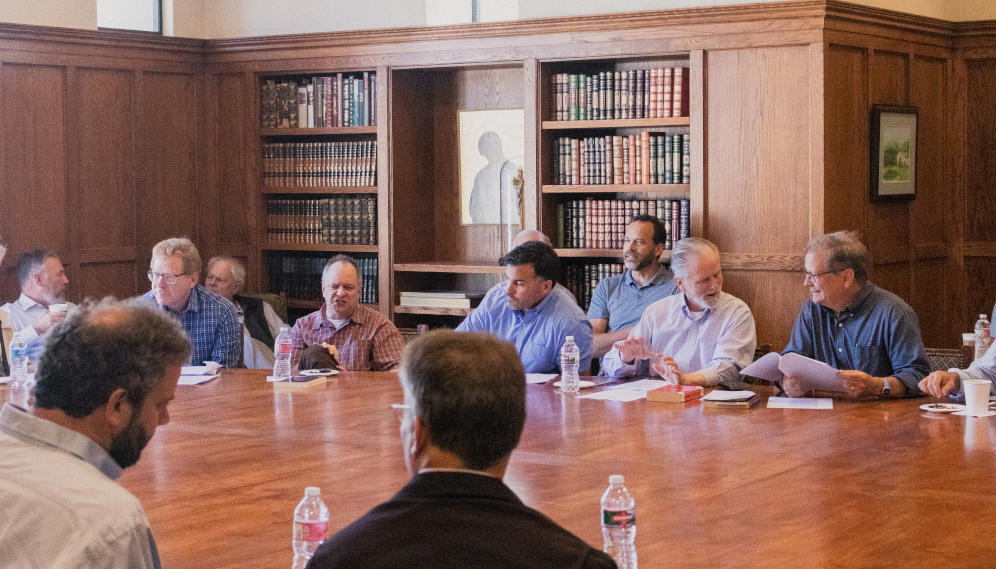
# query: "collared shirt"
{"type": "Point", "coordinates": [61, 506]}
{"type": "Point", "coordinates": [23, 313]}
{"type": "Point", "coordinates": [878, 334]}
{"type": "Point", "coordinates": [212, 323]}
{"type": "Point", "coordinates": [367, 342]}
{"type": "Point", "coordinates": [622, 301]}
{"type": "Point", "coordinates": [717, 342]}
{"type": "Point", "coordinates": [537, 334]}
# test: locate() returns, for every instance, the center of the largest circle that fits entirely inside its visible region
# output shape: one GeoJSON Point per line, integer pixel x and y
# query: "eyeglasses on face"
{"type": "Point", "coordinates": [166, 277]}
{"type": "Point", "coordinates": [815, 278]}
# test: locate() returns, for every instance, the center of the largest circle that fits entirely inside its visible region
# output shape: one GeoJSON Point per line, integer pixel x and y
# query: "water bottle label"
{"type": "Point", "coordinates": [982, 333]}
{"type": "Point", "coordinates": [569, 360]}
{"type": "Point", "coordinates": [19, 352]}
{"type": "Point", "coordinates": [284, 348]}
{"type": "Point", "coordinates": [620, 519]}
{"type": "Point", "coordinates": [314, 531]}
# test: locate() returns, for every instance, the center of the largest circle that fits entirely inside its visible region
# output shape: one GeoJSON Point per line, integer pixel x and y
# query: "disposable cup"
{"type": "Point", "coordinates": [58, 307]}
{"type": "Point", "coordinates": [977, 396]}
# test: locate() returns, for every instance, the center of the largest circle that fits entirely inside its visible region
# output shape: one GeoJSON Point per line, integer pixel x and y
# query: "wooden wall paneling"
{"type": "Point", "coordinates": [533, 90]}
{"type": "Point", "coordinates": [817, 139]}
{"type": "Point", "coordinates": [979, 281]}
{"type": "Point", "coordinates": [980, 189]}
{"type": "Point", "coordinates": [774, 298]}
{"type": "Point", "coordinates": [956, 211]}
{"type": "Point", "coordinates": [234, 209]}
{"type": "Point", "coordinates": [384, 146]}
{"type": "Point", "coordinates": [846, 148]}
{"type": "Point", "coordinates": [759, 201]}
{"type": "Point", "coordinates": [168, 203]}
{"type": "Point", "coordinates": [104, 166]}
{"type": "Point", "coordinates": [412, 170]}
{"type": "Point", "coordinates": [698, 119]}
{"type": "Point", "coordinates": [34, 176]}
{"type": "Point", "coordinates": [468, 89]}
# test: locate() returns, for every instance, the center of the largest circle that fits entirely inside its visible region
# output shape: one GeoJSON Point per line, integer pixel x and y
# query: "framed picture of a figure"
{"type": "Point", "coordinates": [491, 155]}
{"type": "Point", "coordinates": [893, 153]}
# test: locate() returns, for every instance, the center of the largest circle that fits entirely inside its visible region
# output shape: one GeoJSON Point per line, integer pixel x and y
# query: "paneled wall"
{"type": "Point", "coordinates": [98, 153]}
{"type": "Point", "coordinates": [979, 67]}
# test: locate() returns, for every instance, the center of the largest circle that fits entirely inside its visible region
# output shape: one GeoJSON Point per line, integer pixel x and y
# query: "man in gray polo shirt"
{"type": "Point", "coordinates": [619, 301]}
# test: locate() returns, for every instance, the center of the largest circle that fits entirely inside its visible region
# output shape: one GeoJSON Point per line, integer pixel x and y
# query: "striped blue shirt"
{"type": "Point", "coordinates": [212, 323]}
{"type": "Point", "coordinates": [878, 334]}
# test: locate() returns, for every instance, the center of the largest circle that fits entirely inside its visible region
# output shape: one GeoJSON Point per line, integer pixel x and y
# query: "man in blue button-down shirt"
{"type": "Point", "coordinates": [210, 320]}
{"type": "Point", "coordinates": [869, 334]}
{"type": "Point", "coordinates": [531, 312]}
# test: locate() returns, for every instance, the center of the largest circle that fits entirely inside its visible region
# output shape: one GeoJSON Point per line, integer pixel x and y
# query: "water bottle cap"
{"type": "Point", "coordinates": [312, 491]}
{"type": "Point", "coordinates": [570, 338]}
{"type": "Point", "coordinates": [617, 479]}
{"type": "Point", "coordinates": [285, 327]}
{"type": "Point", "coordinates": [981, 317]}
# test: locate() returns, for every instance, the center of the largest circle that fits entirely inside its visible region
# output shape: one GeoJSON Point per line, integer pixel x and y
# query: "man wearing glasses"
{"type": "Point", "coordinates": [867, 333]}
{"type": "Point", "coordinates": [209, 319]}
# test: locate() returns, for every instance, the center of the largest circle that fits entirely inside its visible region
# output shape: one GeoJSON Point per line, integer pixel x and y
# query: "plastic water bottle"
{"type": "Point", "coordinates": [311, 521]}
{"type": "Point", "coordinates": [22, 387]}
{"type": "Point", "coordinates": [570, 357]}
{"type": "Point", "coordinates": [982, 336]}
{"type": "Point", "coordinates": [282, 354]}
{"type": "Point", "coordinates": [619, 523]}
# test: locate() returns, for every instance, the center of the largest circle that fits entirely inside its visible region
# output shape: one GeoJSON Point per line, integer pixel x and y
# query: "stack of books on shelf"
{"type": "Point", "coordinates": [344, 220]}
{"type": "Point", "coordinates": [635, 94]}
{"type": "Point", "coordinates": [441, 299]}
{"type": "Point", "coordinates": [581, 280]}
{"type": "Point", "coordinates": [300, 276]}
{"type": "Point", "coordinates": [320, 164]}
{"type": "Point", "coordinates": [601, 224]}
{"type": "Point", "coordinates": [320, 102]}
{"type": "Point", "coordinates": [635, 159]}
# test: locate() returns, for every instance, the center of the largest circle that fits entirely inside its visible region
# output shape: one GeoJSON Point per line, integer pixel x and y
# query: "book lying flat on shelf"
{"type": "Point", "coordinates": [675, 393]}
{"type": "Point", "coordinates": [444, 299]}
{"type": "Point", "coordinates": [735, 399]}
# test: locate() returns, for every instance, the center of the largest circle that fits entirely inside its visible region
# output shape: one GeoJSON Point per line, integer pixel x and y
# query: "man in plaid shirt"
{"type": "Point", "coordinates": [209, 319]}
{"type": "Point", "coordinates": [359, 338]}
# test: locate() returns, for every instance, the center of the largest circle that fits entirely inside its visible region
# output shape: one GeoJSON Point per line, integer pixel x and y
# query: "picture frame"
{"type": "Point", "coordinates": [491, 149]}
{"type": "Point", "coordinates": [893, 153]}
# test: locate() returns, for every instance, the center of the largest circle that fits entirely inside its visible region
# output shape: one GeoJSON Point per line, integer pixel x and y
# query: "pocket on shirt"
{"type": "Point", "coordinates": [535, 353]}
{"type": "Point", "coordinates": [874, 360]}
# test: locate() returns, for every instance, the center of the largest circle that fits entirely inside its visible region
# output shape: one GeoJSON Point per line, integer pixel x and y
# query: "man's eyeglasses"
{"type": "Point", "coordinates": [815, 278]}
{"type": "Point", "coordinates": [167, 278]}
{"type": "Point", "coordinates": [399, 410]}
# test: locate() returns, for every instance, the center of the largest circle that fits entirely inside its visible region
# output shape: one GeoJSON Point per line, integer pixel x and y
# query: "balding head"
{"type": "Point", "coordinates": [527, 235]}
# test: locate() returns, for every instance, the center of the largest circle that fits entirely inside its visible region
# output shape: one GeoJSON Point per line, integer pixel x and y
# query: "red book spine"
{"type": "Point", "coordinates": [679, 100]}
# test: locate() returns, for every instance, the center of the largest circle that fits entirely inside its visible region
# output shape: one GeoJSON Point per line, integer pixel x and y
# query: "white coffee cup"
{"type": "Point", "coordinates": [58, 307]}
{"type": "Point", "coordinates": [977, 396]}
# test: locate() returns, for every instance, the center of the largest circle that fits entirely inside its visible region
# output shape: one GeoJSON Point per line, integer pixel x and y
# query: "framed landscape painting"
{"type": "Point", "coordinates": [893, 153]}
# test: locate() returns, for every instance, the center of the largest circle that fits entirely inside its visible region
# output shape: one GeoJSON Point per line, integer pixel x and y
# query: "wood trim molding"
{"type": "Point", "coordinates": [118, 39]}
{"type": "Point", "coordinates": [980, 249]}
{"type": "Point", "coordinates": [756, 262]}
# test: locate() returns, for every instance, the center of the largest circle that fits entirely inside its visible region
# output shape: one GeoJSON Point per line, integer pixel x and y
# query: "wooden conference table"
{"type": "Point", "coordinates": [867, 484]}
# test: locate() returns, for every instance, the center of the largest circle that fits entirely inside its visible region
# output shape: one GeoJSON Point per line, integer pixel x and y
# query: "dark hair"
{"type": "Point", "coordinates": [660, 233]}
{"type": "Point", "coordinates": [31, 263]}
{"type": "Point", "coordinates": [845, 251]}
{"type": "Point", "coordinates": [106, 346]}
{"type": "Point", "coordinates": [342, 259]}
{"type": "Point", "coordinates": [470, 390]}
{"type": "Point", "coordinates": [544, 260]}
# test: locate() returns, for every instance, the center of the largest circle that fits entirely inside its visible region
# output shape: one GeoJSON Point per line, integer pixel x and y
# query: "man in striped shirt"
{"type": "Point", "coordinates": [358, 338]}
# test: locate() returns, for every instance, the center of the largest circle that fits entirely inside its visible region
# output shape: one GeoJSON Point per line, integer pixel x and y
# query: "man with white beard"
{"type": "Point", "coordinates": [43, 283]}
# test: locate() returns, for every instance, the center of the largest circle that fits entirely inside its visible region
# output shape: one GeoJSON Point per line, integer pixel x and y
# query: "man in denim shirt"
{"type": "Point", "coordinates": [867, 333]}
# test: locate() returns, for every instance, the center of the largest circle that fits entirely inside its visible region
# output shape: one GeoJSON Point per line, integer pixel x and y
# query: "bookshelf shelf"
{"type": "Point", "coordinates": [318, 190]}
{"type": "Point", "coordinates": [315, 304]}
{"type": "Point", "coordinates": [448, 267]}
{"type": "Point", "coordinates": [291, 132]}
{"type": "Point", "coordinates": [437, 310]}
{"type": "Point", "coordinates": [319, 247]}
{"type": "Point", "coordinates": [616, 123]}
{"type": "Point", "coordinates": [605, 253]}
{"type": "Point", "coordinates": [675, 190]}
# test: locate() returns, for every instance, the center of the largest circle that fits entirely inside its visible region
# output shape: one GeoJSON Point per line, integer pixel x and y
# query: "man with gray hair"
{"type": "Point", "coordinates": [210, 320]}
{"type": "Point", "coordinates": [463, 415]}
{"type": "Point", "coordinates": [260, 323]}
{"type": "Point", "coordinates": [867, 333]}
{"type": "Point", "coordinates": [702, 336]}
{"type": "Point", "coordinates": [105, 381]}
{"type": "Point", "coordinates": [43, 284]}
{"type": "Point", "coordinates": [342, 333]}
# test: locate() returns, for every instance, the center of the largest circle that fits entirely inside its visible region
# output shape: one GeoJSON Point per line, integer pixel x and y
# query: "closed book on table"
{"type": "Point", "coordinates": [675, 393]}
{"type": "Point", "coordinates": [739, 403]}
{"type": "Point", "coordinates": [299, 382]}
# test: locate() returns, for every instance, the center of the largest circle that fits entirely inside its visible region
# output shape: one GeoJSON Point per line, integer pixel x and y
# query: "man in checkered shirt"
{"type": "Point", "coordinates": [359, 338]}
{"type": "Point", "coordinates": [209, 319]}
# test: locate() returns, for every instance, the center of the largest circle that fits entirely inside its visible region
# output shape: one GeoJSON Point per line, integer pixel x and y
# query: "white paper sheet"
{"type": "Point", "coordinates": [643, 385]}
{"type": "Point", "coordinates": [799, 403]}
{"type": "Point", "coordinates": [196, 379]}
{"type": "Point", "coordinates": [617, 395]}
{"type": "Point", "coordinates": [766, 367]}
{"type": "Point", "coordinates": [814, 374]}
{"type": "Point", "coordinates": [539, 377]}
{"type": "Point", "coordinates": [209, 368]}
{"type": "Point", "coordinates": [719, 395]}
